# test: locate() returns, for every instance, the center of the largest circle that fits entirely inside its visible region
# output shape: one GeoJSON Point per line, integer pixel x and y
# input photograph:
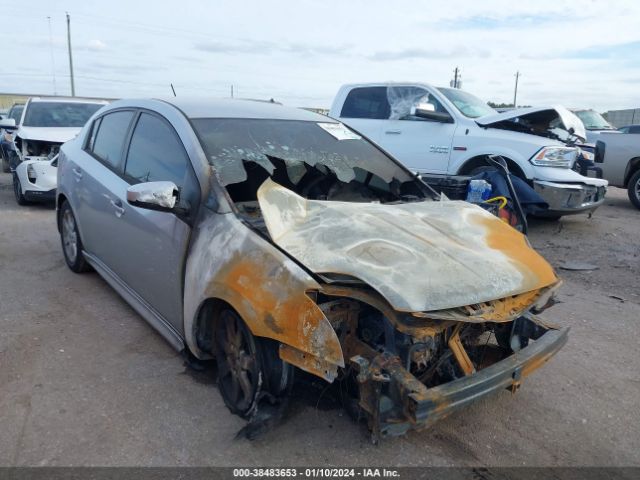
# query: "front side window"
{"type": "Point", "coordinates": [403, 98]}
{"type": "Point", "coordinates": [155, 153]}
{"type": "Point", "coordinates": [110, 136]}
{"type": "Point", "coordinates": [366, 102]}
{"type": "Point", "coordinates": [59, 114]}
{"type": "Point", "coordinates": [468, 105]}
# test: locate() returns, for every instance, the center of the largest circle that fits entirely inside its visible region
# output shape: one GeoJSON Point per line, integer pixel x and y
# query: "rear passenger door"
{"type": "Point", "coordinates": [151, 261]}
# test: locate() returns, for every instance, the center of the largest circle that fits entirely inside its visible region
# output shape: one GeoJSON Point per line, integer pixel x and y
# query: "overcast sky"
{"type": "Point", "coordinates": [578, 53]}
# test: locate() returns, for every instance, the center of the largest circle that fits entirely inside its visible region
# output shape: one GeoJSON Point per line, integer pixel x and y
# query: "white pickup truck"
{"type": "Point", "coordinates": [450, 132]}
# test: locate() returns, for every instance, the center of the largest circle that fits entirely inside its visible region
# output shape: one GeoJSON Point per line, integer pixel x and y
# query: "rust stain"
{"type": "Point", "coordinates": [514, 245]}
{"type": "Point", "coordinates": [282, 309]}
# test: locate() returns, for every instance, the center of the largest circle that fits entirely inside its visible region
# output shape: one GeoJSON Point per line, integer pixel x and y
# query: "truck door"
{"type": "Point", "coordinates": [364, 110]}
{"type": "Point", "coordinates": [422, 145]}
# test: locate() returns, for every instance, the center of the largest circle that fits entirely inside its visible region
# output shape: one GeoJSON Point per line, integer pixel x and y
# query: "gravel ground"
{"type": "Point", "coordinates": [85, 381]}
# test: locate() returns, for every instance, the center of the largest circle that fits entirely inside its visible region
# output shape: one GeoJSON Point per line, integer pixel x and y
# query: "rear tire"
{"type": "Point", "coordinates": [17, 191]}
{"type": "Point", "coordinates": [71, 241]}
{"type": "Point", "coordinates": [633, 189]}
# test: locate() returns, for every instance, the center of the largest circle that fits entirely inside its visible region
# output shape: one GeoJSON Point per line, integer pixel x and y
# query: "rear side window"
{"type": "Point", "coordinates": [634, 129]}
{"type": "Point", "coordinates": [109, 139]}
{"type": "Point", "coordinates": [155, 153]}
{"type": "Point", "coordinates": [366, 102]}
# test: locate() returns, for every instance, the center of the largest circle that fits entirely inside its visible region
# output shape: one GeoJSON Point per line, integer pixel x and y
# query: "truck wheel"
{"type": "Point", "coordinates": [239, 364]}
{"type": "Point", "coordinates": [71, 242]}
{"type": "Point", "coordinates": [633, 188]}
{"type": "Point", "coordinates": [479, 170]}
{"type": "Point", "coordinates": [17, 191]}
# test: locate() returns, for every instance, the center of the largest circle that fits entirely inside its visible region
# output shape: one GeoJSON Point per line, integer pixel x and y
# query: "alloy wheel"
{"type": "Point", "coordinates": [238, 367]}
{"type": "Point", "coordinates": [69, 236]}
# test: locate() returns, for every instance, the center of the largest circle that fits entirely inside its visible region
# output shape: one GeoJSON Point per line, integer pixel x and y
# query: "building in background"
{"type": "Point", "coordinates": [620, 118]}
{"type": "Point", "coordinates": [8, 99]}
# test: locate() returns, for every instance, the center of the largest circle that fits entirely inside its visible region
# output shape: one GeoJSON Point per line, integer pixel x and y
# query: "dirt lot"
{"type": "Point", "coordinates": [85, 381]}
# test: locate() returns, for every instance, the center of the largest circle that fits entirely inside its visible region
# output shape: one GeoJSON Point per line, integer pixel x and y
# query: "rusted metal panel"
{"type": "Point", "coordinates": [268, 290]}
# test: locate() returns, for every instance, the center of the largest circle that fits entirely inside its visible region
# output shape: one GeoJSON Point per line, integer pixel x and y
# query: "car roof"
{"type": "Point", "coordinates": [241, 108]}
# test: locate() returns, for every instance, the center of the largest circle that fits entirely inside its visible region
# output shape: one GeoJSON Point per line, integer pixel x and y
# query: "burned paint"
{"type": "Point", "coordinates": [419, 256]}
{"type": "Point", "coordinates": [233, 264]}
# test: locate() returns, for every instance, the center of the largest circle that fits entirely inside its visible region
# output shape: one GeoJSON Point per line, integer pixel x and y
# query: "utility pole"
{"type": "Point", "coordinates": [73, 86]}
{"type": "Point", "coordinates": [53, 62]}
{"type": "Point", "coordinates": [231, 91]}
{"type": "Point", "coordinates": [455, 83]}
{"type": "Point", "coordinates": [515, 92]}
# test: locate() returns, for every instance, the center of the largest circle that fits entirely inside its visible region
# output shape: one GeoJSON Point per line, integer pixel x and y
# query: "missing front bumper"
{"type": "Point", "coordinates": [408, 404]}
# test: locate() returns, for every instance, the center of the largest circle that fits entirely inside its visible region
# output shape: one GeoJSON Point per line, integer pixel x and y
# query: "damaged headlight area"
{"type": "Point", "coordinates": [37, 149]}
{"type": "Point", "coordinates": [559, 157]}
{"type": "Point", "coordinates": [406, 373]}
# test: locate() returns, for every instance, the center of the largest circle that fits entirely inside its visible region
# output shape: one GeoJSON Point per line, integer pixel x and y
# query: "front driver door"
{"type": "Point", "coordinates": [422, 145]}
{"type": "Point", "coordinates": [152, 263]}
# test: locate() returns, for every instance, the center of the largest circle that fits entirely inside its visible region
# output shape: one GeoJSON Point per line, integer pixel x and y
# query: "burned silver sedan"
{"type": "Point", "coordinates": [272, 239]}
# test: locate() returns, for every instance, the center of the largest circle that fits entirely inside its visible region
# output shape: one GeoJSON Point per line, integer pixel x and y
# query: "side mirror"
{"type": "Point", "coordinates": [7, 123]}
{"type": "Point", "coordinates": [162, 196]}
{"type": "Point", "coordinates": [428, 112]}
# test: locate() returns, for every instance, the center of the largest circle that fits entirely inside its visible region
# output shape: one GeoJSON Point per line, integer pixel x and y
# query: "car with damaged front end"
{"type": "Point", "coordinates": [45, 124]}
{"type": "Point", "coordinates": [274, 239]}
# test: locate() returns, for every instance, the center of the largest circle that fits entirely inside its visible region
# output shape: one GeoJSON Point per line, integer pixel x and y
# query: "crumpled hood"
{"type": "Point", "coordinates": [420, 256]}
{"type": "Point", "coordinates": [568, 119]}
{"type": "Point", "coordinates": [48, 134]}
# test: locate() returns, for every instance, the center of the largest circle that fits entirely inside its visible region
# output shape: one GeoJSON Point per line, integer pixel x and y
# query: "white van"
{"type": "Point", "coordinates": [451, 132]}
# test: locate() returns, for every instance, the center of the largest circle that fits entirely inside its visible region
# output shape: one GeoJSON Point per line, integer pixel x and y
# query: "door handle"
{"type": "Point", "coordinates": [117, 206]}
{"type": "Point", "coordinates": [77, 172]}
{"type": "Point", "coordinates": [393, 132]}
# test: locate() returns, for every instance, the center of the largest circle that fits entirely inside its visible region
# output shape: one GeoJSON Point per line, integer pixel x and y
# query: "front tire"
{"type": "Point", "coordinates": [239, 364]}
{"type": "Point", "coordinates": [71, 241]}
{"type": "Point", "coordinates": [633, 189]}
{"type": "Point", "coordinates": [17, 191]}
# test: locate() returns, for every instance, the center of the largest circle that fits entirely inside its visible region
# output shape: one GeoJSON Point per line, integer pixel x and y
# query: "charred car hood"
{"type": "Point", "coordinates": [546, 117]}
{"type": "Point", "coordinates": [48, 134]}
{"type": "Point", "coordinates": [420, 256]}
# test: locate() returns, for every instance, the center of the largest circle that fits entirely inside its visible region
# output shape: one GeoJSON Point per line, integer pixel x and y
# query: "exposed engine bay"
{"type": "Point", "coordinates": [36, 149]}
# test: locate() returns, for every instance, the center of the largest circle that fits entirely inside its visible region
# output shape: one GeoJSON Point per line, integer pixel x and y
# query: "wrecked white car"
{"type": "Point", "coordinates": [45, 124]}
{"type": "Point", "coordinates": [275, 239]}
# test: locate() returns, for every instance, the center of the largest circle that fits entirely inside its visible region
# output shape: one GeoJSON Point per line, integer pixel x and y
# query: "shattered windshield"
{"type": "Point", "coordinates": [469, 105]}
{"type": "Point", "coordinates": [593, 120]}
{"type": "Point", "coordinates": [59, 114]}
{"type": "Point", "coordinates": [318, 160]}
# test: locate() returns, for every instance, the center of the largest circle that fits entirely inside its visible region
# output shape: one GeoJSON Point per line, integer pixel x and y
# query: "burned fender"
{"type": "Point", "coordinates": [230, 262]}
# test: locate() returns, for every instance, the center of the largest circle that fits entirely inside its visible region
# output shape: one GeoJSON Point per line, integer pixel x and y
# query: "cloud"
{"type": "Point", "coordinates": [96, 45]}
{"type": "Point", "coordinates": [423, 53]}
{"type": "Point", "coordinates": [266, 48]}
{"type": "Point", "coordinates": [492, 22]}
